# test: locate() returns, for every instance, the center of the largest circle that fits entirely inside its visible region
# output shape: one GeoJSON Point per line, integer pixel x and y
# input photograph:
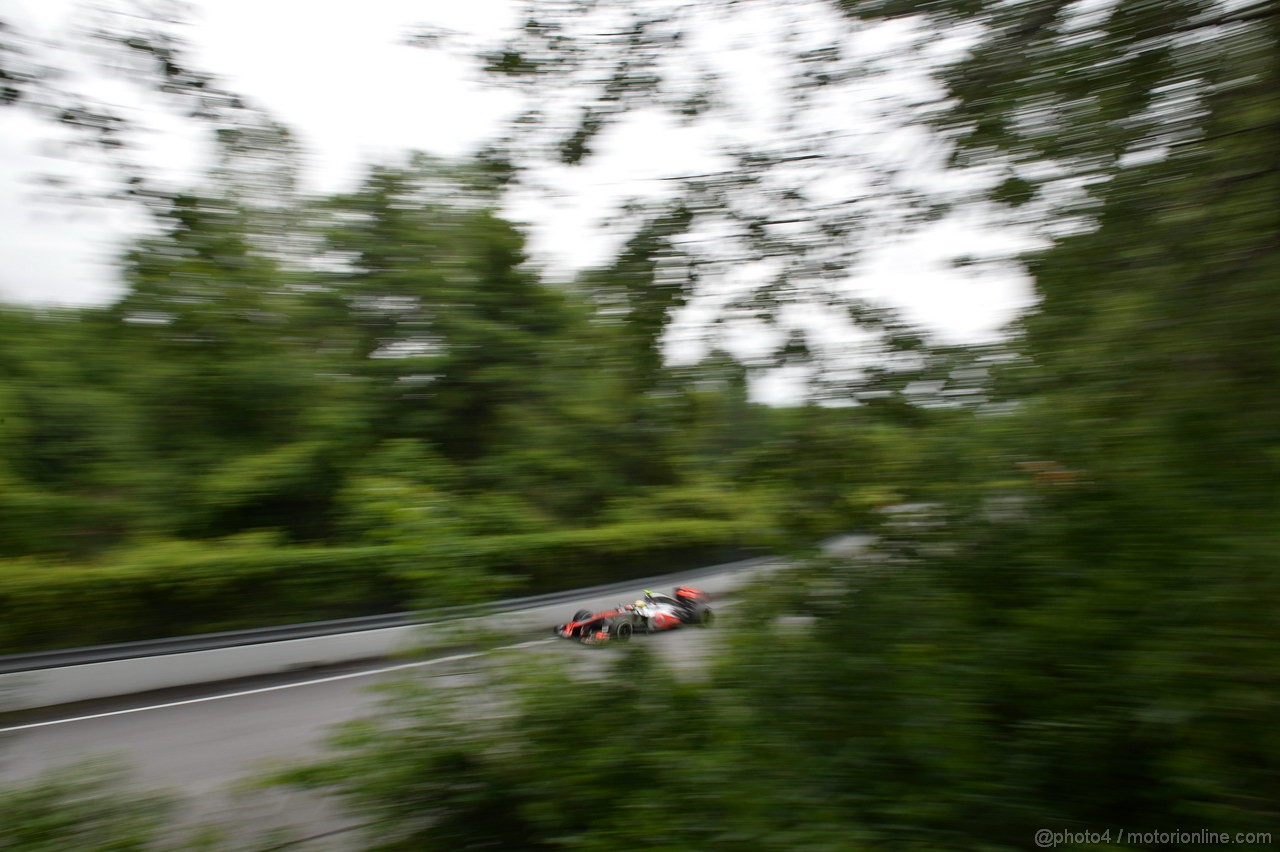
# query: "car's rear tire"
{"type": "Point", "coordinates": [705, 617]}
{"type": "Point", "coordinates": [621, 632]}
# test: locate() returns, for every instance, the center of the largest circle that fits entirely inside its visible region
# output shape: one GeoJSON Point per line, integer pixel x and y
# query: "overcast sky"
{"type": "Point", "coordinates": [337, 75]}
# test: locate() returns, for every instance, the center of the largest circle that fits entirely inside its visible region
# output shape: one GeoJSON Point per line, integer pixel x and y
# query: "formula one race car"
{"type": "Point", "coordinates": [651, 614]}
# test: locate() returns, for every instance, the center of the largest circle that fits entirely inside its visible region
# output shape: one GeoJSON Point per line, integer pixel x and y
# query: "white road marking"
{"type": "Point", "coordinates": [243, 693]}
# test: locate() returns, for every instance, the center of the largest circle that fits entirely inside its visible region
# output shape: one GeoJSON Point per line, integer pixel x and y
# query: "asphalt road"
{"type": "Point", "coordinates": [201, 744]}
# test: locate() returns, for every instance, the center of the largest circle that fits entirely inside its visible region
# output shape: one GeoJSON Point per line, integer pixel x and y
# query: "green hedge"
{"type": "Point", "coordinates": [567, 559]}
{"type": "Point", "coordinates": [55, 606]}
{"type": "Point", "coordinates": [178, 588]}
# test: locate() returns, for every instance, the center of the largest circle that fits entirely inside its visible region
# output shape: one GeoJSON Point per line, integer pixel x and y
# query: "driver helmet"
{"type": "Point", "coordinates": [648, 595]}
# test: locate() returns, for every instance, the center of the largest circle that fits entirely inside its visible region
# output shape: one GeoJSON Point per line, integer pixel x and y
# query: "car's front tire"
{"type": "Point", "coordinates": [621, 632]}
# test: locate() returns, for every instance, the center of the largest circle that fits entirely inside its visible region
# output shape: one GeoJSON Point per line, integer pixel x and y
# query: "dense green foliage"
{"type": "Point", "coordinates": [85, 806]}
{"type": "Point", "coordinates": [406, 418]}
{"type": "Point", "coordinates": [1078, 632]}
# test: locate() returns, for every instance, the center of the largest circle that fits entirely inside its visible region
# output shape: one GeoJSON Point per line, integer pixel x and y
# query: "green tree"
{"type": "Point", "coordinates": [448, 324]}
{"type": "Point", "coordinates": [641, 290]}
{"type": "Point", "coordinates": [71, 443]}
{"type": "Point", "coordinates": [225, 370]}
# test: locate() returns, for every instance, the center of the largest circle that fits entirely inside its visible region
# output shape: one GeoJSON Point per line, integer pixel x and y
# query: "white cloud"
{"type": "Point", "coordinates": [337, 74]}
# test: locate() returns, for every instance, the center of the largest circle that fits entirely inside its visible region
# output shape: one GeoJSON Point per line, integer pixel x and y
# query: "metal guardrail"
{"type": "Point", "coordinates": [38, 660]}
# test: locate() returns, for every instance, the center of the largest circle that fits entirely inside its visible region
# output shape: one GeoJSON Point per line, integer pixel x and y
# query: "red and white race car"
{"type": "Point", "coordinates": [651, 614]}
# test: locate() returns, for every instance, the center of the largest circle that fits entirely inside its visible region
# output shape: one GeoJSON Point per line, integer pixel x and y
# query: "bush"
{"type": "Point", "coordinates": [180, 588]}
{"type": "Point", "coordinates": [85, 806]}
{"type": "Point", "coordinates": [173, 588]}
{"type": "Point", "coordinates": [566, 559]}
